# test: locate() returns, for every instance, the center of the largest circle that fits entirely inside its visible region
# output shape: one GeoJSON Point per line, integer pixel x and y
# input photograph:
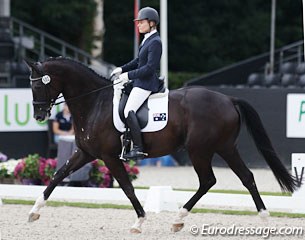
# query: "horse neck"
{"type": "Point", "coordinates": [80, 87]}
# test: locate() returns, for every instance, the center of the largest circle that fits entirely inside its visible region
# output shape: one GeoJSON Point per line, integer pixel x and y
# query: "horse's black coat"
{"type": "Point", "coordinates": [202, 121]}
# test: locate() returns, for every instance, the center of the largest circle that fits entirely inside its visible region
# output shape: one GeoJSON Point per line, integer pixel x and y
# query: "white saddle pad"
{"type": "Point", "coordinates": [157, 114]}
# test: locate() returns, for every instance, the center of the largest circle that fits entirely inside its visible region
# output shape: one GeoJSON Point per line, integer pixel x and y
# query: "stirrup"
{"type": "Point", "coordinates": [135, 154]}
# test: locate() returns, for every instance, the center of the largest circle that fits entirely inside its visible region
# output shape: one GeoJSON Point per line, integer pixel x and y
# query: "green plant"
{"type": "Point", "coordinates": [28, 168]}
{"type": "Point", "coordinates": [100, 175]}
{"type": "Point", "coordinates": [47, 168]}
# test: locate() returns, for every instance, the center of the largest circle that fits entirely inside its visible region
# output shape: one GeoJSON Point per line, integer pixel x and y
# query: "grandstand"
{"type": "Point", "coordinates": [19, 40]}
{"type": "Point", "coordinates": [268, 93]}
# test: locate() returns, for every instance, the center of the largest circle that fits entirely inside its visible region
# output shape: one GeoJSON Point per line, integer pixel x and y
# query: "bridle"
{"type": "Point", "coordinates": [46, 79]}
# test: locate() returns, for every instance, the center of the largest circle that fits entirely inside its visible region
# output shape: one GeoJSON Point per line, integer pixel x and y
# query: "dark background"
{"type": "Point", "coordinates": [269, 103]}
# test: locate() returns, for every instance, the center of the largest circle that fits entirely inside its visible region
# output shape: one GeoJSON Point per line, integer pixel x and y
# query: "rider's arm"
{"type": "Point", "coordinates": [133, 64]}
{"type": "Point", "coordinates": [153, 62]}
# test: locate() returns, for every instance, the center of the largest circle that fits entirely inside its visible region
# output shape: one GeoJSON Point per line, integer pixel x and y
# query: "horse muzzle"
{"type": "Point", "coordinates": [42, 115]}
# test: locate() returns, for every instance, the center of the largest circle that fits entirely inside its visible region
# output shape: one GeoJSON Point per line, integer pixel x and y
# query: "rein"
{"type": "Point", "coordinates": [82, 95]}
{"type": "Point", "coordinates": [46, 79]}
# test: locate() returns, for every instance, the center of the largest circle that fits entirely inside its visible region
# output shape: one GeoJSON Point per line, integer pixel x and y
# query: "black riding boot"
{"type": "Point", "coordinates": [137, 152]}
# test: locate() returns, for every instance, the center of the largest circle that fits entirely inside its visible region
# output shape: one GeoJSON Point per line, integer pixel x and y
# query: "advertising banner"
{"type": "Point", "coordinates": [295, 115]}
{"type": "Point", "coordinates": [16, 111]}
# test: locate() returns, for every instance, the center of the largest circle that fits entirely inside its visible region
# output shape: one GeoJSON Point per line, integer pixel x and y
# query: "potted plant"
{"type": "Point", "coordinates": [132, 170]}
{"type": "Point", "coordinates": [47, 168]}
{"type": "Point", "coordinates": [99, 175]}
{"type": "Point", "coordinates": [27, 170]}
{"type": "Point", "coordinates": [7, 171]}
{"type": "Point", "coordinates": [3, 157]}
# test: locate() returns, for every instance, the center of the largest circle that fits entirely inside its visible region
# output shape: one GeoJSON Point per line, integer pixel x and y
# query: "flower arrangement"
{"type": "Point", "coordinates": [132, 170]}
{"type": "Point", "coordinates": [7, 168]}
{"type": "Point", "coordinates": [3, 157]}
{"type": "Point", "coordinates": [100, 175]}
{"type": "Point", "coordinates": [28, 168]}
{"type": "Point", "coordinates": [34, 169]}
{"type": "Point", "coordinates": [47, 168]}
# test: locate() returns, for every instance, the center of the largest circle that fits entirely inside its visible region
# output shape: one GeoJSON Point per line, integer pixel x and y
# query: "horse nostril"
{"type": "Point", "coordinates": [38, 118]}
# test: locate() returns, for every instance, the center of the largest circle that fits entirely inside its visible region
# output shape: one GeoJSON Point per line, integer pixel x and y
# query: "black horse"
{"type": "Point", "coordinates": [201, 121]}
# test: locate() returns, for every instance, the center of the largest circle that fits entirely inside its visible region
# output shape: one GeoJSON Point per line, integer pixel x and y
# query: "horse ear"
{"type": "Point", "coordinates": [31, 65]}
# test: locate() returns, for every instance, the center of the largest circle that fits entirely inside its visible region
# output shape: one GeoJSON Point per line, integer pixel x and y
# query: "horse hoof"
{"type": "Point", "coordinates": [264, 214]}
{"type": "Point", "coordinates": [177, 227]}
{"type": "Point", "coordinates": [135, 230]}
{"type": "Point", "coordinates": [33, 217]}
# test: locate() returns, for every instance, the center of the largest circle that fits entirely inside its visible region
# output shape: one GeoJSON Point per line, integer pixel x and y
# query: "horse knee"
{"type": "Point", "coordinates": [206, 185]}
{"type": "Point", "coordinates": [248, 181]}
{"type": "Point", "coordinates": [212, 182]}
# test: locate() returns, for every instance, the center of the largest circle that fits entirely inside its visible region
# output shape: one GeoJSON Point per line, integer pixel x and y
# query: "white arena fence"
{"type": "Point", "coordinates": [160, 198]}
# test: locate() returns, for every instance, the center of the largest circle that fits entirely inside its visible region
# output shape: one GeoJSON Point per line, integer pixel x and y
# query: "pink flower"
{"type": "Point", "coordinates": [103, 169]}
{"type": "Point", "coordinates": [127, 167]}
{"type": "Point", "coordinates": [95, 163]}
{"type": "Point", "coordinates": [19, 168]}
{"type": "Point", "coordinates": [51, 162]}
{"type": "Point", "coordinates": [135, 170]}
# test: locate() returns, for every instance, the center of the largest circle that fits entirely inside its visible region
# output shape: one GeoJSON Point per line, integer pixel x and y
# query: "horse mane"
{"type": "Point", "coordinates": [73, 61]}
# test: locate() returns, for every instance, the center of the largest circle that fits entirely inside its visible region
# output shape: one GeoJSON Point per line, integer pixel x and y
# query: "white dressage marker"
{"type": "Point", "coordinates": [160, 198]}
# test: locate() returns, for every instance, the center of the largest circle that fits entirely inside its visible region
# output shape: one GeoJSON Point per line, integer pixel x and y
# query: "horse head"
{"type": "Point", "coordinates": [44, 90]}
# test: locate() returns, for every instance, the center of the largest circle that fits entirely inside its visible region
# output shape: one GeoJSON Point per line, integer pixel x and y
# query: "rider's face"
{"type": "Point", "coordinates": [143, 26]}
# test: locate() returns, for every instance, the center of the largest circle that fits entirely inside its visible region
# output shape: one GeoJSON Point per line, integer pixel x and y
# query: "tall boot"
{"type": "Point", "coordinates": [137, 152]}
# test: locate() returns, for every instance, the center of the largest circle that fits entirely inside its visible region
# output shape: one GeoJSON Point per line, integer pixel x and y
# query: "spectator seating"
{"type": "Point", "coordinates": [300, 69]}
{"type": "Point", "coordinates": [288, 67]}
{"type": "Point", "coordinates": [272, 80]}
{"type": "Point", "coordinates": [289, 75]}
{"type": "Point", "coordinates": [255, 79]}
{"type": "Point", "coordinates": [289, 80]}
{"type": "Point", "coordinates": [301, 81]}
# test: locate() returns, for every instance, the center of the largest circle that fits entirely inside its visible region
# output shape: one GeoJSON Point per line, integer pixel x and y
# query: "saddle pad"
{"type": "Point", "coordinates": [157, 115]}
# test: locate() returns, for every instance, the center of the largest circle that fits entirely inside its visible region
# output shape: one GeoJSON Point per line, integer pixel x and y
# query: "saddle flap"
{"type": "Point", "coordinates": [152, 115]}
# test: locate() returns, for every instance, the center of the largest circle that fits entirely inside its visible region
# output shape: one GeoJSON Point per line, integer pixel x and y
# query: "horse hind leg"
{"type": "Point", "coordinates": [235, 162]}
{"type": "Point", "coordinates": [203, 168]}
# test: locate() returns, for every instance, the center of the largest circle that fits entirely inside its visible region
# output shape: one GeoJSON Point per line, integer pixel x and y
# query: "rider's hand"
{"type": "Point", "coordinates": [124, 77]}
{"type": "Point", "coordinates": [117, 71]}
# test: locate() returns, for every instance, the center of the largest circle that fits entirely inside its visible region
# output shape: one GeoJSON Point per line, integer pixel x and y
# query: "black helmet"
{"type": "Point", "coordinates": [149, 14]}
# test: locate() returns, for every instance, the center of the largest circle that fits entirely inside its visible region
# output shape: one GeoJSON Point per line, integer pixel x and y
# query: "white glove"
{"type": "Point", "coordinates": [116, 71]}
{"type": "Point", "coordinates": [124, 77]}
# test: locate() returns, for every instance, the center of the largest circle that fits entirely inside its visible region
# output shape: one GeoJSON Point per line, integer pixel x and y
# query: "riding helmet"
{"type": "Point", "coordinates": [148, 13]}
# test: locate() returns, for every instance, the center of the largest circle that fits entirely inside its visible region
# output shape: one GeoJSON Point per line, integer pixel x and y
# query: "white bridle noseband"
{"type": "Point", "coordinates": [45, 79]}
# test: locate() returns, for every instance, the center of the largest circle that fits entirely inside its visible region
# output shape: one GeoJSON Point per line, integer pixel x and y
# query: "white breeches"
{"type": "Point", "coordinates": [136, 98]}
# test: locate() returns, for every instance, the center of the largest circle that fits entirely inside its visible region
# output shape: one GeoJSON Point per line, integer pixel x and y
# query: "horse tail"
{"type": "Point", "coordinates": [263, 144]}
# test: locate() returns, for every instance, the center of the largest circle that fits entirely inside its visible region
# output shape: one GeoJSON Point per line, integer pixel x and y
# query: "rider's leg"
{"type": "Point", "coordinates": [136, 98]}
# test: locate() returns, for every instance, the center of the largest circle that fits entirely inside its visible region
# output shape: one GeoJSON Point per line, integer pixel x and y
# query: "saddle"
{"type": "Point", "coordinates": [142, 113]}
{"type": "Point", "coordinates": [152, 115]}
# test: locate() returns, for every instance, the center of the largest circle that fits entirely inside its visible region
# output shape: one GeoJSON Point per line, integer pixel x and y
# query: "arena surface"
{"type": "Point", "coordinates": [67, 223]}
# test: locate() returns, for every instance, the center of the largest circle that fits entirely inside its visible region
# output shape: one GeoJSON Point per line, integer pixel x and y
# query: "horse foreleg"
{"type": "Point", "coordinates": [118, 171]}
{"type": "Point", "coordinates": [78, 160]}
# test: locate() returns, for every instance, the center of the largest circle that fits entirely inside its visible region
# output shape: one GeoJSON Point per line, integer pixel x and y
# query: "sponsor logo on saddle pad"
{"type": "Point", "coordinates": [159, 117]}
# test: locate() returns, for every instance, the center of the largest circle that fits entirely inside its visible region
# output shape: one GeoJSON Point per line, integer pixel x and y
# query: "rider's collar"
{"type": "Point", "coordinates": [147, 35]}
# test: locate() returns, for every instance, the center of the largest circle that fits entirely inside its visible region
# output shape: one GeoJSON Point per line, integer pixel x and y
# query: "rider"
{"type": "Point", "coordinates": [143, 71]}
